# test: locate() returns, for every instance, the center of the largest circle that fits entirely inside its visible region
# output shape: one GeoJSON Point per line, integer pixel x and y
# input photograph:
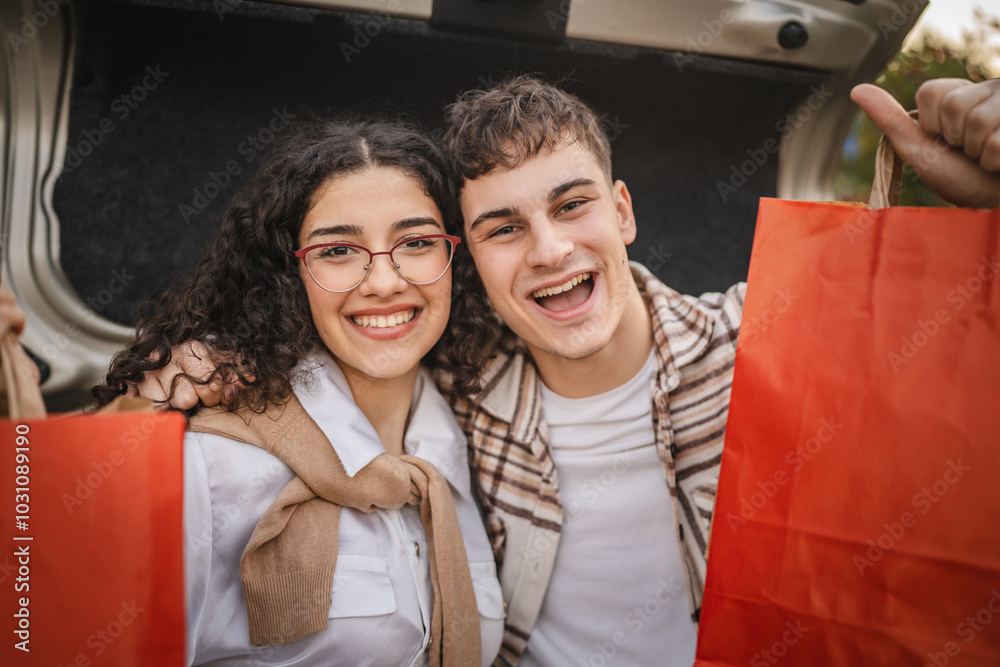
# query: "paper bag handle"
{"type": "Point", "coordinates": [888, 182]}
{"type": "Point", "coordinates": [20, 380]}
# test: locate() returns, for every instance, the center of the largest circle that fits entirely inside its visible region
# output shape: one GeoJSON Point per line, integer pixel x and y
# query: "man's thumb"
{"type": "Point", "coordinates": [903, 132]}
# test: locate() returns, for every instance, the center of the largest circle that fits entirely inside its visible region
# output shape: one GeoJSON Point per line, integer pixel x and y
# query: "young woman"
{"type": "Point", "coordinates": [316, 531]}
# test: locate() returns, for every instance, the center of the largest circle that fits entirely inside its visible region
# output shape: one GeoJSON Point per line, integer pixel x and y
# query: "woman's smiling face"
{"type": "Point", "coordinates": [382, 328]}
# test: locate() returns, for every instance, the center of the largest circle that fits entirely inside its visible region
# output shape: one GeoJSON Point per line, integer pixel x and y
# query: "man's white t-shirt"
{"type": "Point", "coordinates": [617, 592]}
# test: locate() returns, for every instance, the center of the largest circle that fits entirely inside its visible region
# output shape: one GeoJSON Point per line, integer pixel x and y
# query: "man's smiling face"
{"type": "Point", "coordinates": [548, 238]}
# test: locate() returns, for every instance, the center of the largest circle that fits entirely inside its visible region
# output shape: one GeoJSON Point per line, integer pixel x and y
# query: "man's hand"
{"type": "Point", "coordinates": [955, 147]}
{"type": "Point", "coordinates": [196, 360]}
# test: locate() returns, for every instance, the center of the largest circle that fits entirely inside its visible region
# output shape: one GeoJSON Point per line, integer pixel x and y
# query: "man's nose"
{"type": "Point", "coordinates": [550, 244]}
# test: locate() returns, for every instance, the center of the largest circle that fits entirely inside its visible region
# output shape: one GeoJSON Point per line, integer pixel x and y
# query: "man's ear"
{"type": "Point", "coordinates": [626, 216]}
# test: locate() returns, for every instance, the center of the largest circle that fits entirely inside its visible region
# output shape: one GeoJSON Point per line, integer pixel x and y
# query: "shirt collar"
{"type": "Point", "coordinates": [681, 329]}
{"type": "Point", "coordinates": [432, 433]}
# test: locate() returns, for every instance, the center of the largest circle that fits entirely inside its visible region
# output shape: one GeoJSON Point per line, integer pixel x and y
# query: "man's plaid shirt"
{"type": "Point", "coordinates": [516, 479]}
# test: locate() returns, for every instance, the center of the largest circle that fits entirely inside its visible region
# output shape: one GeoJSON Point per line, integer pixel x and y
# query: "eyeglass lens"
{"type": "Point", "coordinates": [420, 260]}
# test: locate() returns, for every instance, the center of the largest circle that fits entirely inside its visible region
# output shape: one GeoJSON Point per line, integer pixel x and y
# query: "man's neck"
{"type": "Point", "coordinates": [610, 367]}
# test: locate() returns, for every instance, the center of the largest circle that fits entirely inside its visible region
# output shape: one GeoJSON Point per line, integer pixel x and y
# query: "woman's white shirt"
{"type": "Point", "coordinates": [381, 600]}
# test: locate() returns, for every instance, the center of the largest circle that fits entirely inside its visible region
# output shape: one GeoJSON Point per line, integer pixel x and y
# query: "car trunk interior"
{"type": "Point", "coordinates": [208, 85]}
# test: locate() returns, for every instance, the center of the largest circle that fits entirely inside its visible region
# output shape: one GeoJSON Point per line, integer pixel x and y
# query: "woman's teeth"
{"type": "Point", "coordinates": [383, 321]}
{"type": "Point", "coordinates": [559, 289]}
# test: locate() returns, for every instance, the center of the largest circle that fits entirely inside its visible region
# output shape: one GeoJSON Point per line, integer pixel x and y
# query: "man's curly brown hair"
{"type": "Point", "coordinates": [522, 116]}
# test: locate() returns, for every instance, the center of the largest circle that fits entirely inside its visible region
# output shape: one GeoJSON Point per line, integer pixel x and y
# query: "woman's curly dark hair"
{"type": "Point", "coordinates": [246, 299]}
{"type": "Point", "coordinates": [474, 331]}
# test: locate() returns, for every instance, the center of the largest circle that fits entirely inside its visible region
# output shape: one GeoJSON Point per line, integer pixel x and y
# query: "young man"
{"type": "Point", "coordinates": [597, 438]}
{"type": "Point", "coordinates": [597, 435]}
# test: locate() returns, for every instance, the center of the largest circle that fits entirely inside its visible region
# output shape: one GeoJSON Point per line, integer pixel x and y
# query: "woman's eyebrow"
{"type": "Point", "coordinates": [409, 223]}
{"type": "Point", "coordinates": [336, 230]}
{"type": "Point", "coordinates": [354, 230]}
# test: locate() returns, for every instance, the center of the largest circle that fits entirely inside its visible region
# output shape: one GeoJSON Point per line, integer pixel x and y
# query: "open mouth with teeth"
{"type": "Point", "coordinates": [567, 296]}
{"type": "Point", "coordinates": [383, 321]}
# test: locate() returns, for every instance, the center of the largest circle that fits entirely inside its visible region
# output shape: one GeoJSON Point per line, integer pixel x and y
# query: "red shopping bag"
{"type": "Point", "coordinates": [858, 512]}
{"type": "Point", "coordinates": [91, 567]}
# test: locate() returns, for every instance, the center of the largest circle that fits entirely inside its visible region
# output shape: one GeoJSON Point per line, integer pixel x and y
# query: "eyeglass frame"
{"type": "Point", "coordinates": [301, 254]}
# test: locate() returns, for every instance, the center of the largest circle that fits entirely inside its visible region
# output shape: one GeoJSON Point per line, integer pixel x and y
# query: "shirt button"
{"type": "Point", "coordinates": [673, 449]}
{"type": "Point", "coordinates": [416, 545]}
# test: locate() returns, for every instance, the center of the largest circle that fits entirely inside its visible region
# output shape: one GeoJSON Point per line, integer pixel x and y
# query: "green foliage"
{"type": "Point", "coordinates": [929, 58]}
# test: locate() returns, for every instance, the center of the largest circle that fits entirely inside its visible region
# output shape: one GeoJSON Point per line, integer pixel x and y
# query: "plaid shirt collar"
{"type": "Point", "coordinates": [681, 332]}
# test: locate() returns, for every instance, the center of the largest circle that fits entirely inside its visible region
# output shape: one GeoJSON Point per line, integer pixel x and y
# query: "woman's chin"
{"type": "Point", "coordinates": [373, 372]}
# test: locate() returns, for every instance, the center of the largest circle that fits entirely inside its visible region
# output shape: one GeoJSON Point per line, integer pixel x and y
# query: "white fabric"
{"type": "Point", "coordinates": [381, 603]}
{"type": "Point", "coordinates": [617, 593]}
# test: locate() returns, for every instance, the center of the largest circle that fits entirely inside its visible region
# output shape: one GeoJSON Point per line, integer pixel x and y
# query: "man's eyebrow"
{"type": "Point", "coordinates": [554, 194]}
{"type": "Point", "coordinates": [409, 223]}
{"type": "Point", "coordinates": [495, 213]}
{"type": "Point", "coordinates": [336, 230]}
{"type": "Point", "coordinates": [560, 190]}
